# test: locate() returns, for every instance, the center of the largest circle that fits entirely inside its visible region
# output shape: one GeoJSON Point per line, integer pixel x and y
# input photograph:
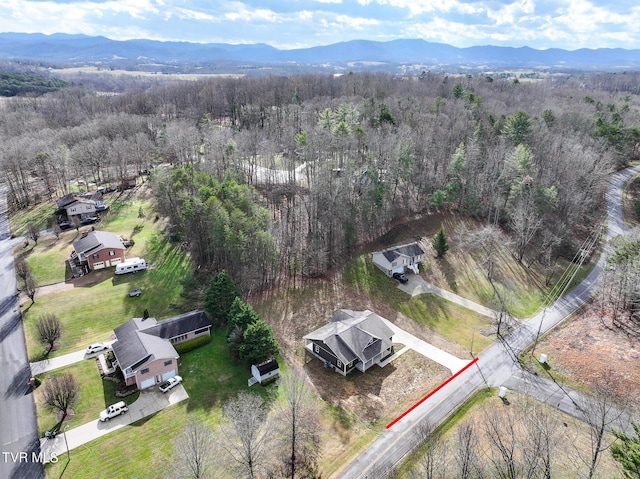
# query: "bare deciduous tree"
{"type": "Point", "coordinates": [60, 392]}
{"type": "Point", "coordinates": [602, 413]}
{"type": "Point", "coordinates": [432, 460]}
{"type": "Point", "coordinates": [24, 274]}
{"type": "Point", "coordinates": [194, 451]}
{"type": "Point", "coordinates": [246, 436]}
{"type": "Point", "coordinates": [34, 232]}
{"type": "Point", "coordinates": [49, 330]}
{"type": "Point", "coordinates": [467, 459]}
{"type": "Point", "coordinates": [299, 427]}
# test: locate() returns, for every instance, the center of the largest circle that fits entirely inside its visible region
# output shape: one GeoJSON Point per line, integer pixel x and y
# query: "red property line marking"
{"type": "Point", "coordinates": [432, 393]}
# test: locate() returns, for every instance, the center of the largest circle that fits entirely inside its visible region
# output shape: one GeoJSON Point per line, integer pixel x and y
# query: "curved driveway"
{"type": "Point", "coordinates": [495, 366]}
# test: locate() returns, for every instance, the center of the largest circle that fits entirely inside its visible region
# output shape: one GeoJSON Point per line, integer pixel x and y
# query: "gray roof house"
{"type": "Point", "coordinates": [144, 348]}
{"type": "Point", "coordinates": [351, 340]}
{"type": "Point", "coordinates": [97, 250]}
{"type": "Point", "coordinates": [398, 258]}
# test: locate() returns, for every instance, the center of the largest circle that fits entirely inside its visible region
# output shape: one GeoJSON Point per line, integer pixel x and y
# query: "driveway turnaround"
{"type": "Point", "coordinates": [417, 285]}
{"type": "Point", "coordinates": [149, 402]}
{"type": "Point", "coordinates": [441, 357]}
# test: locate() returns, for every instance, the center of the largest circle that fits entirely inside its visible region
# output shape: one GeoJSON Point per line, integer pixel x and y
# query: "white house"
{"type": "Point", "coordinates": [399, 258]}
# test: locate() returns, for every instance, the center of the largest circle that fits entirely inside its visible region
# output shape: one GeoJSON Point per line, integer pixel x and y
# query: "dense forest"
{"type": "Point", "coordinates": [15, 83]}
{"type": "Point", "coordinates": [281, 177]}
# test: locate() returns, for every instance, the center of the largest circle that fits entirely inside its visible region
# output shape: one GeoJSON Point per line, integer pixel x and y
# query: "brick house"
{"type": "Point", "coordinates": [144, 348]}
{"type": "Point", "coordinates": [97, 250]}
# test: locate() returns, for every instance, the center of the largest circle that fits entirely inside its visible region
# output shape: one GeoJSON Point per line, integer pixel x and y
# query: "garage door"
{"type": "Point", "coordinates": [399, 269]}
{"type": "Point", "coordinates": [98, 265]}
{"type": "Point", "coordinates": [168, 374]}
{"type": "Point", "coordinates": [147, 383]}
{"type": "Point", "coordinates": [116, 261]}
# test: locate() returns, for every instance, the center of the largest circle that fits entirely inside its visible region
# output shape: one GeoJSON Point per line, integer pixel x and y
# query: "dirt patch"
{"type": "Point", "coordinates": [589, 352]}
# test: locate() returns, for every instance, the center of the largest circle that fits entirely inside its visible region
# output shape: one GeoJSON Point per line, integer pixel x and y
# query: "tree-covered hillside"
{"type": "Point", "coordinates": [336, 161]}
{"type": "Point", "coordinates": [13, 84]}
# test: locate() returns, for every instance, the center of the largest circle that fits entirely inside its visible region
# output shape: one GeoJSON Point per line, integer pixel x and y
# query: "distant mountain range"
{"type": "Point", "coordinates": [396, 55]}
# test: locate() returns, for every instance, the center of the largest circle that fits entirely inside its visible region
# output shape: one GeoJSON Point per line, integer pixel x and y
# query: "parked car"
{"type": "Point", "coordinates": [135, 292]}
{"type": "Point", "coordinates": [89, 220]}
{"type": "Point", "coordinates": [96, 348]}
{"type": "Point", "coordinates": [65, 225]}
{"type": "Point", "coordinates": [170, 383]}
{"type": "Point", "coordinates": [102, 207]}
{"type": "Point", "coordinates": [400, 277]}
{"type": "Point", "coordinates": [113, 411]}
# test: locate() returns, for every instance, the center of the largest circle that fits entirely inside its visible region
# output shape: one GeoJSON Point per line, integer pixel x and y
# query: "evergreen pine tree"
{"type": "Point", "coordinates": [440, 243]}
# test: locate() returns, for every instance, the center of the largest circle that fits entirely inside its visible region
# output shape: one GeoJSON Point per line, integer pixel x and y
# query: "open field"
{"type": "Point", "coordinates": [92, 70]}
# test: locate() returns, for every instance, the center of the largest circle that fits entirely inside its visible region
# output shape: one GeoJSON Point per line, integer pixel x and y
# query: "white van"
{"type": "Point", "coordinates": [131, 266]}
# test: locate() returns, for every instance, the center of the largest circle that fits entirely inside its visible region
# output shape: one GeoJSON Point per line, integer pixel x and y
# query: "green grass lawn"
{"type": "Point", "coordinates": [47, 258]}
{"type": "Point", "coordinates": [454, 322]}
{"type": "Point", "coordinates": [38, 214]}
{"type": "Point", "coordinates": [89, 314]}
{"type": "Point", "coordinates": [94, 395]}
{"type": "Point", "coordinates": [144, 448]}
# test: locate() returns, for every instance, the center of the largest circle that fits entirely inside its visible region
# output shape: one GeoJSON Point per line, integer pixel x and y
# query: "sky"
{"type": "Point", "coordinates": [287, 24]}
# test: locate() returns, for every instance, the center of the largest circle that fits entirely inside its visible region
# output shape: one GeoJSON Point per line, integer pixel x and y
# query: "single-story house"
{"type": "Point", "coordinates": [351, 340]}
{"type": "Point", "coordinates": [399, 258]}
{"type": "Point", "coordinates": [264, 372]}
{"type": "Point", "coordinates": [97, 250]}
{"type": "Point", "coordinates": [144, 347]}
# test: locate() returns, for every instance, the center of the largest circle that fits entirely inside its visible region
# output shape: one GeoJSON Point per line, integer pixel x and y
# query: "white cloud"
{"type": "Point", "coordinates": [538, 23]}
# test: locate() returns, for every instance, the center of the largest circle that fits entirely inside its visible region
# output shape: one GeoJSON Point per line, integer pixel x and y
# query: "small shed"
{"type": "Point", "coordinates": [264, 372]}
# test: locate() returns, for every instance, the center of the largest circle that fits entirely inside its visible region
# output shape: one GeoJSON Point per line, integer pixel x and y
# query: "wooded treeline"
{"type": "Point", "coordinates": [335, 160]}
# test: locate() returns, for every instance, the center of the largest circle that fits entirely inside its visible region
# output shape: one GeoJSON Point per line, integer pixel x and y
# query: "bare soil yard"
{"type": "Point", "coordinates": [588, 351]}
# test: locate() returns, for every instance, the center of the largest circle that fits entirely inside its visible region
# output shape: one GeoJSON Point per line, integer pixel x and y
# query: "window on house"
{"type": "Point", "coordinates": [316, 348]}
{"type": "Point", "coordinates": [339, 363]}
{"type": "Point", "coordinates": [88, 207]}
{"type": "Point", "coordinates": [144, 371]}
{"type": "Point", "coordinates": [200, 331]}
{"type": "Point", "coordinates": [112, 253]}
{"type": "Point", "coordinates": [95, 256]}
{"type": "Point", "coordinates": [167, 363]}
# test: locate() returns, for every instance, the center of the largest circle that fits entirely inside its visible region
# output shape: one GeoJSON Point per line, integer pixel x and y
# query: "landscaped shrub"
{"type": "Point", "coordinates": [192, 344]}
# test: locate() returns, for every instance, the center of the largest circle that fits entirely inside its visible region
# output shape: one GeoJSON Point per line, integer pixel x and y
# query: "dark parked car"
{"type": "Point", "coordinates": [89, 220]}
{"type": "Point", "coordinates": [400, 277]}
{"type": "Point", "coordinates": [65, 225]}
{"type": "Point", "coordinates": [102, 207]}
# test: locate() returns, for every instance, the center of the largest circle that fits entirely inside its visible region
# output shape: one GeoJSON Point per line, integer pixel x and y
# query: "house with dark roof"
{"type": "Point", "coordinates": [144, 348]}
{"type": "Point", "coordinates": [399, 258]}
{"type": "Point", "coordinates": [97, 250]}
{"type": "Point", "coordinates": [351, 340]}
{"type": "Point", "coordinates": [81, 205]}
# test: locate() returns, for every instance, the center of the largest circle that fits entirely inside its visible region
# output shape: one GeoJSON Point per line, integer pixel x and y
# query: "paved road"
{"type": "Point", "coordinates": [496, 365]}
{"type": "Point", "coordinates": [18, 428]}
